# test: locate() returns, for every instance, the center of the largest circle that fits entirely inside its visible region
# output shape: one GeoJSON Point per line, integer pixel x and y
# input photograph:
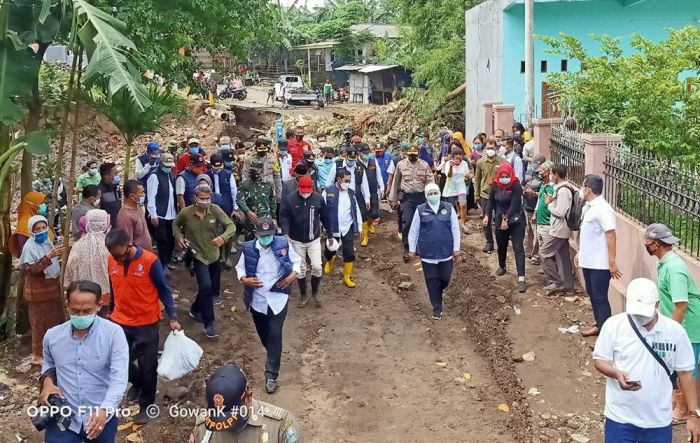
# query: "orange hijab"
{"type": "Point", "coordinates": [28, 208]}
{"type": "Point", "coordinates": [460, 138]}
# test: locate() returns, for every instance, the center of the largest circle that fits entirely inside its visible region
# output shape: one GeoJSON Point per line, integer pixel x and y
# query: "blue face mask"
{"type": "Point", "coordinates": [93, 171]}
{"type": "Point", "coordinates": [479, 147]}
{"type": "Point", "coordinates": [116, 180]}
{"type": "Point", "coordinates": [328, 161]}
{"type": "Point", "coordinates": [504, 180]}
{"type": "Point", "coordinates": [350, 163]}
{"type": "Point", "coordinates": [228, 164]}
{"type": "Point", "coordinates": [194, 149]}
{"type": "Point", "coordinates": [41, 237]}
{"type": "Point", "coordinates": [42, 209]}
{"type": "Point", "coordinates": [225, 148]}
{"type": "Point", "coordinates": [266, 240]}
{"type": "Point", "coordinates": [283, 152]}
{"type": "Point", "coordinates": [82, 321]}
{"type": "Point", "coordinates": [367, 156]}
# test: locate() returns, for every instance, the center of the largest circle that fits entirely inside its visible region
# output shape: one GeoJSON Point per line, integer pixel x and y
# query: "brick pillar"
{"type": "Point", "coordinates": [594, 148]}
{"type": "Point", "coordinates": [488, 116]}
{"type": "Point", "coordinates": [503, 117]}
{"type": "Point", "coordinates": [542, 133]}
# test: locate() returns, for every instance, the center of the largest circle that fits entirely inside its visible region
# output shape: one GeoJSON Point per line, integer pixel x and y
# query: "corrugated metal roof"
{"type": "Point", "coordinates": [319, 45]}
{"type": "Point", "coordinates": [350, 67]}
{"type": "Point", "coordinates": [374, 68]}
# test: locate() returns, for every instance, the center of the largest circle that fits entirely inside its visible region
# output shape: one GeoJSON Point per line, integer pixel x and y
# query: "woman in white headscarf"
{"type": "Point", "coordinates": [88, 256]}
{"type": "Point", "coordinates": [42, 288]}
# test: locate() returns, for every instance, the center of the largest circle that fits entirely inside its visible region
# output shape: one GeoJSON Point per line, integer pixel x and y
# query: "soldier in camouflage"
{"type": "Point", "coordinates": [234, 416]}
{"type": "Point", "coordinates": [256, 198]}
{"type": "Point", "coordinates": [271, 172]}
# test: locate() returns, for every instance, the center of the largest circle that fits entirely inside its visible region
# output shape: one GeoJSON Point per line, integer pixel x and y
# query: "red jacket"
{"type": "Point", "coordinates": [296, 150]}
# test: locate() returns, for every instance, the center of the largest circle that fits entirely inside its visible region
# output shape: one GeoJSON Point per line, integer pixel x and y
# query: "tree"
{"type": "Point", "coordinates": [651, 96]}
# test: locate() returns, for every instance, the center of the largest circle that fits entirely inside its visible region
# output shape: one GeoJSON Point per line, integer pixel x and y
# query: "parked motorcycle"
{"type": "Point", "coordinates": [239, 94]}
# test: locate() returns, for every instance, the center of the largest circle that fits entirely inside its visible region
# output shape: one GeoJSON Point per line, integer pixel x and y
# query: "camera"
{"type": "Point", "coordinates": [59, 411]}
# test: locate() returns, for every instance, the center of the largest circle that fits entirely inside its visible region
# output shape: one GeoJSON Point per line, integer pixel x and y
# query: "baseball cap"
{"type": "Point", "coordinates": [225, 140]}
{"type": "Point", "coordinates": [393, 135]}
{"type": "Point", "coordinates": [642, 296]}
{"type": "Point", "coordinates": [193, 141]}
{"type": "Point", "coordinates": [301, 169]}
{"type": "Point", "coordinates": [262, 142]}
{"type": "Point", "coordinates": [153, 146]}
{"type": "Point", "coordinates": [225, 392]}
{"type": "Point", "coordinates": [216, 160]}
{"type": "Point", "coordinates": [538, 159]}
{"type": "Point", "coordinates": [413, 149]}
{"type": "Point", "coordinates": [305, 184]}
{"type": "Point", "coordinates": [362, 147]}
{"type": "Point", "coordinates": [662, 233]}
{"type": "Point", "coordinates": [404, 145]}
{"type": "Point", "coordinates": [196, 159]}
{"type": "Point", "coordinates": [265, 226]}
{"type": "Point", "coordinates": [284, 143]}
{"type": "Point", "coordinates": [167, 160]}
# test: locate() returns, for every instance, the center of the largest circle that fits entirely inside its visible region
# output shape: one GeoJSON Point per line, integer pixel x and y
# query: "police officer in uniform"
{"type": "Point", "coordinates": [271, 171]}
{"type": "Point", "coordinates": [234, 416]}
{"type": "Point", "coordinates": [256, 198]}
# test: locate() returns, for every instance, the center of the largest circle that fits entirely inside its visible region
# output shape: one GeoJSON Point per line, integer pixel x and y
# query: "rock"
{"type": "Point", "coordinates": [175, 393]}
{"type": "Point", "coordinates": [579, 438]}
{"type": "Point", "coordinates": [530, 356]}
{"type": "Point", "coordinates": [406, 285]}
{"type": "Point", "coordinates": [533, 392]}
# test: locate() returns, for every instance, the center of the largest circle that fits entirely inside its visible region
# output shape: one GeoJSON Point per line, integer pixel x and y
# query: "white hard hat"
{"type": "Point", "coordinates": [332, 244]}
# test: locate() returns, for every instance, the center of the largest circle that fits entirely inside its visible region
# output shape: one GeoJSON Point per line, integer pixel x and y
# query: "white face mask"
{"type": "Point", "coordinates": [642, 320]}
{"type": "Point", "coordinates": [344, 186]}
{"type": "Point", "coordinates": [490, 152]}
{"type": "Point", "coordinates": [305, 195]}
{"type": "Point", "coordinates": [582, 194]}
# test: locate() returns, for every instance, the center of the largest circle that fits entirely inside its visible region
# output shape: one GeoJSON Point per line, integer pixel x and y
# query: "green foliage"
{"type": "Point", "coordinates": [651, 97]}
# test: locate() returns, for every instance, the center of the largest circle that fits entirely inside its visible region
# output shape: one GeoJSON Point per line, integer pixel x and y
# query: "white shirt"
{"type": "Point", "coordinates": [180, 185]}
{"type": "Point", "coordinates": [234, 189]}
{"type": "Point", "coordinates": [152, 191]}
{"type": "Point", "coordinates": [269, 272]}
{"type": "Point", "coordinates": [380, 178]}
{"type": "Point", "coordinates": [455, 184]}
{"type": "Point", "coordinates": [365, 185]}
{"type": "Point", "coordinates": [391, 169]}
{"type": "Point", "coordinates": [517, 163]}
{"type": "Point", "coordinates": [649, 407]}
{"type": "Point", "coordinates": [141, 170]}
{"type": "Point", "coordinates": [529, 149]}
{"type": "Point", "coordinates": [286, 165]}
{"type": "Point", "coordinates": [414, 233]}
{"type": "Point", "coordinates": [344, 215]}
{"type": "Point", "coordinates": [598, 218]}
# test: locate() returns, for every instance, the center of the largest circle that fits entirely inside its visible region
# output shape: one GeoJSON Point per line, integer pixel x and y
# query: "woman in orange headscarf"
{"type": "Point", "coordinates": [32, 204]}
{"type": "Point", "coordinates": [465, 147]}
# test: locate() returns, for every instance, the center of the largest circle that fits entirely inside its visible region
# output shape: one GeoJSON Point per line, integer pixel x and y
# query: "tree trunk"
{"type": "Point", "coordinates": [456, 93]}
{"type": "Point", "coordinates": [127, 158]}
{"type": "Point", "coordinates": [5, 232]}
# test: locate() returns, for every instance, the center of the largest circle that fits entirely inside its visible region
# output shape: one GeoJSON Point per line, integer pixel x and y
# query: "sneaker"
{"type": "Point", "coordinates": [134, 393]}
{"type": "Point", "coordinates": [217, 300]}
{"type": "Point", "coordinates": [500, 272]}
{"type": "Point", "coordinates": [488, 248]}
{"type": "Point", "coordinates": [522, 287]}
{"type": "Point", "coordinates": [303, 301]}
{"type": "Point", "coordinates": [437, 316]}
{"type": "Point", "coordinates": [271, 386]}
{"type": "Point", "coordinates": [552, 289]}
{"type": "Point", "coordinates": [211, 331]}
{"type": "Point", "coordinates": [534, 261]}
{"type": "Point", "coordinates": [142, 417]}
{"type": "Point", "coordinates": [171, 266]}
{"type": "Point", "coordinates": [196, 316]}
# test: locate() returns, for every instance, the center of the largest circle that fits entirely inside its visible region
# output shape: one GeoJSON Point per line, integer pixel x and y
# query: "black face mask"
{"type": "Point", "coordinates": [648, 248]}
{"type": "Point", "coordinates": [261, 153]}
{"type": "Point", "coordinates": [300, 137]}
{"type": "Point", "coordinates": [412, 157]}
{"type": "Point", "coordinates": [254, 175]}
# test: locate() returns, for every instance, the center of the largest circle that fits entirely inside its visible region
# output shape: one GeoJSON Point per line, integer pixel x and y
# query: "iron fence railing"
{"type": "Point", "coordinates": [567, 149]}
{"type": "Point", "coordinates": [655, 189]}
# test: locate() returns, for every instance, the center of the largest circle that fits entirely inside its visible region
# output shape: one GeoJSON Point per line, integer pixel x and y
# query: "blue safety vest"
{"type": "Point", "coordinates": [332, 208]}
{"type": "Point", "coordinates": [280, 247]}
{"type": "Point", "coordinates": [190, 183]}
{"type": "Point", "coordinates": [226, 198]}
{"type": "Point", "coordinates": [435, 236]}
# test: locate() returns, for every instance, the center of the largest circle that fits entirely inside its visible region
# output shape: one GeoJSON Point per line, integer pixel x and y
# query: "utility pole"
{"type": "Point", "coordinates": [529, 62]}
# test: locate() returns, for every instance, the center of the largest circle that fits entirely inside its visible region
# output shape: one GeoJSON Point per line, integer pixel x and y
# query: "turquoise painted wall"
{"type": "Point", "coordinates": [649, 18]}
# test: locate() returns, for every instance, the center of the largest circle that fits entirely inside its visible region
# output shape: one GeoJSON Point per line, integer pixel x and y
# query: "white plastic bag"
{"type": "Point", "coordinates": [180, 356]}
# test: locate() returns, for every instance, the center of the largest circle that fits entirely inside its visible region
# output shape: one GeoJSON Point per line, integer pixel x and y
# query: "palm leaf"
{"type": "Point", "coordinates": [111, 55]}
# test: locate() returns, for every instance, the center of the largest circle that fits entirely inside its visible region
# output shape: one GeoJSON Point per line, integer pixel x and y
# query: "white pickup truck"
{"type": "Point", "coordinates": [291, 87]}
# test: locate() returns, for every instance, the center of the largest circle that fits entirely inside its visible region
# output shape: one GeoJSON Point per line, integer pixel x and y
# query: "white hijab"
{"type": "Point", "coordinates": [33, 251]}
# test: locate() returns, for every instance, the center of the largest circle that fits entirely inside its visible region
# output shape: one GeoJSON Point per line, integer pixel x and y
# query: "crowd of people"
{"type": "Point", "coordinates": [273, 211]}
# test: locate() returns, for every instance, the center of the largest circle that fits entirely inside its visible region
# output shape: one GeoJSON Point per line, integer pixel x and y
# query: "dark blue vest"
{"type": "Point", "coordinates": [226, 199]}
{"type": "Point", "coordinates": [371, 172]}
{"type": "Point", "coordinates": [280, 247]}
{"type": "Point", "coordinates": [435, 237]}
{"type": "Point", "coordinates": [162, 197]}
{"type": "Point", "coordinates": [143, 158]}
{"type": "Point", "coordinates": [332, 208]}
{"type": "Point", "coordinates": [190, 183]}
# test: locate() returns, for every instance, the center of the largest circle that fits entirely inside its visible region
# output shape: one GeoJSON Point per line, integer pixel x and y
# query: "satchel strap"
{"type": "Point", "coordinates": [671, 374]}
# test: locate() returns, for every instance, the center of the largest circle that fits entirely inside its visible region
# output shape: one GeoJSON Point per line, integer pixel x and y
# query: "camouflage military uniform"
{"type": "Point", "coordinates": [266, 423]}
{"type": "Point", "coordinates": [270, 170]}
{"type": "Point", "coordinates": [256, 196]}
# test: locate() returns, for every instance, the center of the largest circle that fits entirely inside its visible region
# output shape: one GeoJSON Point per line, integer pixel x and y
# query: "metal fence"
{"type": "Point", "coordinates": [567, 149]}
{"type": "Point", "coordinates": [655, 189]}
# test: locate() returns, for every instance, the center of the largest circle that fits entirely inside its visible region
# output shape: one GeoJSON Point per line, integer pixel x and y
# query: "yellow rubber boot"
{"type": "Point", "coordinates": [328, 268]}
{"type": "Point", "coordinates": [372, 229]}
{"type": "Point", "coordinates": [365, 234]}
{"type": "Point", "coordinates": [347, 270]}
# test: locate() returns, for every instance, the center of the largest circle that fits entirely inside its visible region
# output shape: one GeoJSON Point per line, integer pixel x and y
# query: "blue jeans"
{"type": "Point", "coordinates": [55, 435]}
{"type": "Point", "coordinates": [625, 433]}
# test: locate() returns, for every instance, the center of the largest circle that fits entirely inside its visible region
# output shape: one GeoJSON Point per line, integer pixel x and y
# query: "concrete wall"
{"type": "Point", "coordinates": [649, 18]}
{"type": "Point", "coordinates": [483, 43]}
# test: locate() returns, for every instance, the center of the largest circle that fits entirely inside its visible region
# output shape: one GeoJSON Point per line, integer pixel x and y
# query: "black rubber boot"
{"type": "Point", "coordinates": [302, 292]}
{"type": "Point", "coordinates": [315, 284]}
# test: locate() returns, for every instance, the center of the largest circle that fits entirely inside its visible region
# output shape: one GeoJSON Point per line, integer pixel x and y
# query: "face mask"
{"type": "Point", "coordinates": [217, 170]}
{"type": "Point", "coordinates": [582, 194]}
{"type": "Point", "coordinates": [344, 186]}
{"type": "Point", "coordinates": [305, 195]}
{"type": "Point", "coordinates": [350, 163]}
{"type": "Point", "coordinates": [502, 151]}
{"type": "Point", "coordinates": [300, 137]}
{"type": "Point", "coordinates": [228, 164]}
{"type": "Point", "coordinates": [93, 171]}
{"type": "Point", "coordinates": [504, 180]}
{"type": "Point", "coordinates": [82, 321]}
{"type": "Point", "coordinates": [266, 240]}
{"type": "Point", "coordinates": [225, 149]}
{"type": "Point", "coordinates": [261, 153]}
{"type": "Point", "coordinates": [41, 237]}
{"type": "Point", "coordinates": [367, 156]}
{"type": "Point", "coordinates": [254, 175]}
{"type": "Point", "coordinates": [433, 199]}
{"type": "Point", "coordinates": [198, 170]}
{"type": "Point", "coordinates": [283, 152]}
{"type": "Point", "coordinates": [379, 153]}
{"type": "Point", "coordinates": [97, 203]}
{"type": "Point", "coordinates": [328, 160]}
{"type": "Point", "coordinates": [42, 209]}
{"type": "Point", "coordinates": [116, 180]}
{"type": "Point", "coordinates": [166, 170]}
{"type": "Point", "coordinates": [142, 200]}
{"type": "Point", "coordinates": [479, 147]}
{"type": "Point", "coordinates": [194, 149]}
{"type": "Point", "coordinates": [642, 320]}
{"type": "Point", "coordinates": [516, 132]}
{"type": "Point", "coordinates": [412, 157]}
{"type": "Point", "coordinates": [648, 248]}
{"type": "Point", "coordinates": [203, 204]}
{"type": "Point", "coordinates": [490, 153]}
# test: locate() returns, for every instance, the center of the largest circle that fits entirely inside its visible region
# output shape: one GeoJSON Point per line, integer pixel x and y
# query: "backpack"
{"type": "Point", "coordinates": [575, 214]}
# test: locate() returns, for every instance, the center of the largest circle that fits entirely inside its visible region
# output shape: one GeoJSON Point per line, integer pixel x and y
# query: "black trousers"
{"type": "Point", "coordinates": [437, 278]}
{"type": "Point", "coordinates": [373, 206]}
{"type": "Point", "coordinates": [399, 221]}
{"type": "Point", "coordinates": [597, 285]}
{"type": "Point", "coordinates": [209, 285]}
{"type": "Point", "coordinates": [488, 229]}
{"type": "Point", "coordinates": [143, 360]}
{"type": "Point", "coordinates": [347, 245]}
{"type": "Point", "coordinates": [269, 327]}
{"type": "Point", "coordinates": [165, 241]}
{"type": "Point", "coordinates": [516, 235]}
{"type": "Point", "coordinates": [409, 203]}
